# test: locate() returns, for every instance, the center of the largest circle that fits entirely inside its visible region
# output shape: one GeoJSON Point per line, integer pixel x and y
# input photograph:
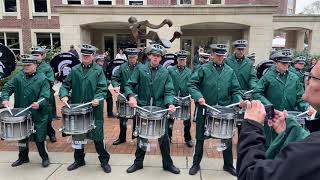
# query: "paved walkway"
{"type": "Point", "coordinates": [211, 168]}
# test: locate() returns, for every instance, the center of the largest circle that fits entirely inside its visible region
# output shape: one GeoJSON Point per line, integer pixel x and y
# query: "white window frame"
{"type": "Point", "coordinates": [127, 2]}
{"type": "Point", "coordinates": [13, 31]}
{"type": "Point", "coordinates": [34, 13]}
{"type": "Point", "coordinates": [222, 3]}
{"type": "Point", "coordinates": [66, 2]}
{"type": "Point", "coordinates": [48, 31]}
{"type": "Point", "coordinates": [10, 13]}
{"type": "Point", "coordinates": [178, 3]}
{"type": "Point", "coordinates": [96, 2]}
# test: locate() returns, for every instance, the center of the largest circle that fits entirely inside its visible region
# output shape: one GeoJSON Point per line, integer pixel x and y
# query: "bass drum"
{"type": "Point", "coordinates": [262, 67]}
{"type": "Point", "coordinates": [7, 61]}
{"type": "Point", "coordinates": [62, 64]}
{"type": "Point", "coordinates": [169, 60]}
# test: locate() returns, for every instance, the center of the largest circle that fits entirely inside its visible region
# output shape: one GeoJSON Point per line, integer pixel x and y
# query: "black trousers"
{"type": "Point", "coordinates": [109, 101]}
{"type": "Point", "coordinates": [164, 148]}
{"type": "Point", "coordinates": [50, 130]}
{"type": "Point", "coordinates": [227, 154]}
{"type": "Point", "coordinates": [24, 149]}
{"type": "Point", "coordinates": [186, 129]}
{"type": "Point", "coordinates": [313, 125]}
{"type": "Point", "coordinates": [123, 128]}
{"type": "Point", "coordinates": [104, 156]}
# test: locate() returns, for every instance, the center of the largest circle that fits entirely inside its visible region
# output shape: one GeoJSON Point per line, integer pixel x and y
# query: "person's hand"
{"type": "Point", "coordinates": [6, 103]}
{"type": "Point", "coordinates": [202, 101]}
{"type": "Point", "coordinates": [132, 102]}
{"type": "Point", "coordinates": [65, 99]}
{"type": "Point", "coordinates": [95, 102]}
{"type": "Point", "coordinates": [311, 110]}
{"type": "Point", "coordinates": [172, 108]}
{"type": "Point", "coordinates": [255, 111]}
{"type": "Point", "coordinates": [116, 90]}
{"type": "Point", "coordinates": [35, 105]}
{"type": "Point", "coordinates": [278, 123]}
{"type": "Point", "coordinates": [242, 103]}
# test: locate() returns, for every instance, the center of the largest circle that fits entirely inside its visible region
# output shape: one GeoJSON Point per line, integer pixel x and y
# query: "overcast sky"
{"type": "Point", "coordinates": [301, 4]}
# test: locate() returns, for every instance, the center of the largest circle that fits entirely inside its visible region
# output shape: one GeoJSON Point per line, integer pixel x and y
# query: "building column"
{"type": "Point", "coordinates": [167, 33]}
{"type": "Point", "coordinates": [260, 41]}
{"type": "Point", "coordinates": [69, 35]}
{"type": "Point", "coordinates": [315, 45]}
{"type": "Point", "coordinates": [300, 40]}
{"type": "Point", "coordinates": [291, 39]}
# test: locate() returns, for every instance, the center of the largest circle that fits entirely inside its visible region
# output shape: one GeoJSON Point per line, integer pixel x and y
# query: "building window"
{"type": "Point", "coordinates": [11, 39]}
{"type": "Point", "coordinates": [184, 2]}
{"type": "Point", "coordinates": [104, 2]}
{"type": "Point", "coordinates": [74, 1]}
{"type": "Point", "coordinates": [215, 2]}
{"type": "Point", "coordinates": [10, 5]}
{"type": "Point", "coordinates": [136, 2]}
{"type": "Point", "coordinates": [50, 40]}
{"type": "Point", "coordinates": [40, 6]}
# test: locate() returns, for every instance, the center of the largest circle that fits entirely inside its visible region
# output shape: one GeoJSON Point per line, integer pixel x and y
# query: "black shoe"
{"type": "Point", "coordinates": [230, 169]}
{"type": "Point", "coordinates": [134, 167]}
{"type": "Point", "coordinates": [20, 162]}
{"type": "Point", "coordinates": [118, 141]}
{"type": "Point", "coordinates": [45, 162]}
{"type": "Point", "coordinates": [106, 168]}
{"type": "Point", "coordinates": [172, 169]}
{"type": "Point", "coordinates": [189, 144]}
{"type": "Point", "coordinates": [76, 165]}
{"type": "Point", "coordinates": [194, 169]}
{"type": "Point", "coordinates": [53, 139]}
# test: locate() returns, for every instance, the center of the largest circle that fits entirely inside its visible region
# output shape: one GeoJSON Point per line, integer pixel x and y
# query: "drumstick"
{"type": "Point", "coordinates": [163, 110]}
{"type": "Point", "coordinates": [85, 104]}
{"type": "Point", "coordinates": [248, 91]}
{"type": "Point", "coordinates": [210, 107]}
{"type": "Point", "coordinates": [143, 109]}
{"type": "Point", "coordinates": [234, 104]}
{"type": "Point", "coordinates": [66, 103]}
{"type": "Point", "coordinates": [176, 98]}
{"type": "Point", "coordinates": [9, 110]}
{"type": "Point", "coordinates": [186, 97]}
{"type": "Point", "coordinates": [301, 114]}
{"type": "Point", "coordinates": [28, 107]}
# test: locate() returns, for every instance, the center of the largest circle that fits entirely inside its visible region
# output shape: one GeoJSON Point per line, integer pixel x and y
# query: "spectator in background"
{"type": "Point", "coordinates": [196, 61]}
{"type": "Point", "coordinates": [74, 51]}
{"type": "Point", "coordinates": [121, 55]}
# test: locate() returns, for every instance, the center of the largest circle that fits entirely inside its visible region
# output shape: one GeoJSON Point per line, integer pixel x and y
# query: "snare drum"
{"type": "Point", "coordinates": [301, 119]}
{"type": "Point", "coordinates": [184, 112]}
{"type": "Point", "coordinates": [14, 128]}
{"type": "Point", "coordinates": [220, 125]}
{"type": "Point", "coordinates": [123, 108]}
{"type": "Point", "coordinates": [150, 125]}
{"type": "Point", "coordinates": [77, 121]}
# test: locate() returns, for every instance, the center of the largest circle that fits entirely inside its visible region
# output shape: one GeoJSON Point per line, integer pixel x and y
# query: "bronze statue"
{"type": "Point", "coordinates": [137, 33]}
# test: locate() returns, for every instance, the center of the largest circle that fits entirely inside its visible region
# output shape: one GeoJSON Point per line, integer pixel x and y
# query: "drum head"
{"type": "Point", "coordinates": [148, 115]}
{"type": "Point", "coordinates": [7, 117]}
{"type": "Point", "coordinates": [262, 67]}
{"type": "Point", "coordinates": [169, 60]}
{"type": "Point", "coordinates": [226, 113]}
{"type": "Point", "coordinates": [62, 64]}
{"type": "Point", "coordinates": [81, 110]}
{"type": "Point", "coordinates": [7, 61]}
{"type": "Point", "coordinates": [181, 101]}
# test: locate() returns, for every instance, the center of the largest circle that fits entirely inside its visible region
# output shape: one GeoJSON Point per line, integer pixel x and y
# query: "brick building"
{"type": "Point", "coordinates": [25, 23]}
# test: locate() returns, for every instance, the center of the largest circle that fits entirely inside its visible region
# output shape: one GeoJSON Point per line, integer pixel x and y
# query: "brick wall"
{"type": "Point", "coordinates": [88, 2]}
{"type": "Point", "coordinates": [159, 2]}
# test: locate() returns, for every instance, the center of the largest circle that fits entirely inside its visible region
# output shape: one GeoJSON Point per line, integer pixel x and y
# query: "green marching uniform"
{"type": "Point", "coordinates": [119, 79]}
{"type": "Point", "coordinates": [29, 88]}
{"type": "Point", "coordinates": [244, 70]}
{"type": "Point", "coordinates": [298, 72]}
{"type": "Point", "coordinates": [294, 132]}
{"type": "Point", "coordinates": [218, 85]}
{"type": "Point", "coordinates": [180, 76]}
{"type": "Point", "coordinates": [46, 69]}
{"type": "Point", "coordinates": [283, 90]}
{"type": "Point", "coordinates": [152, 83]}
{"type": "Point", "coordinates": [83, 84]}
